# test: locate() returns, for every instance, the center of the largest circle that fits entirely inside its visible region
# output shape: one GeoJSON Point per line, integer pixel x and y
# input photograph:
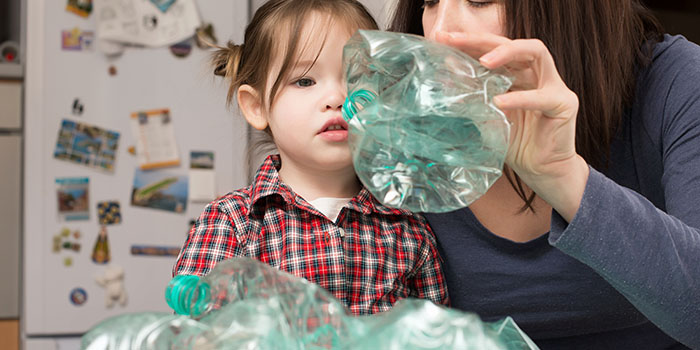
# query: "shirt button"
{"type": "Point", "coordinates": [341, 232]}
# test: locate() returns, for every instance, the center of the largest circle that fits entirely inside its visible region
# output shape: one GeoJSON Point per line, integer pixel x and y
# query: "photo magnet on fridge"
{"type": "Point", "coordinates": [87, 145]}
{"type": "Point", "coordinates": [160, 190]}
{"type": "Point", "coordinates": [202, 177]}
{"type": "Point", "coordinates": [73, 198]}
{"type": "Point", "coordinates": [154, 250]}
{"type": "Point", "coordinates": [77, 40]}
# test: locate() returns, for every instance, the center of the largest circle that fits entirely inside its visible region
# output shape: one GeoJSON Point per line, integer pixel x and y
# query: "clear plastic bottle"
{"type": "Point", "coordinates": [424, 133]}
{"type": "Point", "coordinates": [144, 330]}
{"type": "Point", "coordinates": [301, 311]}
{"type": "Point", "coordinates": [246, 304]}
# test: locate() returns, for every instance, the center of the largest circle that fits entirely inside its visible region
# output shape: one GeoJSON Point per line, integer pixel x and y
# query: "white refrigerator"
{"type": "Point", "coordinates": [61, 297]}
{"type": "Point", "coordinates": [145, 79]}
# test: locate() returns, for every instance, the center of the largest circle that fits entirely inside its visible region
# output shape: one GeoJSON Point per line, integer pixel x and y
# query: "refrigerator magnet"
{"type": "Point", "coordinates": [87, 145]}
{"type": "Point", "coordinates": [56, 244]}
{"type": "Point", "coordinates": [152, 250]}
{"type": "Point", "coordinates": [77, 107]}
{"type": "Point", "coordinates": [158, 189]}
{"type": "Point", "coordinates": [82, 8]}
{"type": "Point", "coordinates": [73, 198]}
{"type": "Point", "coordinates": [78, 296]}
{"type": "Point", "coordinates": [156, 146]}
{"type": "Point", "coordinates": [64, 241]}
{"type": "Point", "coordinates": [202, 177]}
{"type": "Point", "coordinates": [112, 280]}
{"type": "Point", "coordinates": [109, 213]}
{"type": "Point", "coordinates": [181, 49]}
{"type": "Point", "coordinates": [100, 252]}
{"type": "Point", "coordinates": [76, 39]}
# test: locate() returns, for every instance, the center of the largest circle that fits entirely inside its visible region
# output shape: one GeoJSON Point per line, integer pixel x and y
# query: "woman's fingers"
{"type": "Point", "coordinates": [523, 54]}
{"type": "Point", "coordinates": [553, 103]}
{"type": "Point", "coordinates": [473, 44]}
{"type": "Point", "coordinates": [528, 60]}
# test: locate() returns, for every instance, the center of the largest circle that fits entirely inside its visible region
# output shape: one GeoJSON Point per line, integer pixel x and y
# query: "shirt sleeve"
{"type": "Point", "coordinates": [649, 255]}
{"type": "Point", "coordinates": [429, 280]}
{"type": "Point", "coordinates": [212, 239]}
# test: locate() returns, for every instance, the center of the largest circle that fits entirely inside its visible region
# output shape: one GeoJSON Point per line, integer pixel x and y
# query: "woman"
{"type": "Point", "coordinates": [591, 239]}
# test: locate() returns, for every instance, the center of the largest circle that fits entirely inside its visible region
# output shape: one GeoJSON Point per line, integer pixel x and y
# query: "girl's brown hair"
{"type": "Point", "coordinates": [275, 31]}
{"type": "Point", "coordinates": [598, 47]}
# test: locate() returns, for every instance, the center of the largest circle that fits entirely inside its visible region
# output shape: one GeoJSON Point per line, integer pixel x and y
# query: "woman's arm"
{"type": "Point", "coordinates": [650, 256]}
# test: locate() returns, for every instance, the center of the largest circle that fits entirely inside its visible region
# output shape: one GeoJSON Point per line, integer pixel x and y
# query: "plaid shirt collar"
{"type": "Point", "coordinates": [267, 183]}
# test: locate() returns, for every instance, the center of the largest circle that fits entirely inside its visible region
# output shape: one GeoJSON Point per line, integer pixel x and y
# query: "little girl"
{"type": "Point", "coordinates": [306, 212]}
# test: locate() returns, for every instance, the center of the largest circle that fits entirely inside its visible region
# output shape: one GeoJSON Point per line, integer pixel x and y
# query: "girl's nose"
{"type": "Point", "coordinates": [336, 97]}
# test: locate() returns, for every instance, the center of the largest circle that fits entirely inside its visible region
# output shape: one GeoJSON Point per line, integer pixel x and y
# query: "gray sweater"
{"type": "Point", "coordinates": [626, 270]}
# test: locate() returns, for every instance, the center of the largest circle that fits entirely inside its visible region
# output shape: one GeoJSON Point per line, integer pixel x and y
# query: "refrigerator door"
{"type": "Point", "coordinates": [10, 204]}
{"type": "Point", "coordinates": [61, 291]}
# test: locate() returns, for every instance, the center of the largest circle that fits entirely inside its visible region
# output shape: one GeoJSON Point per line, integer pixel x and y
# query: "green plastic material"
{"type": "Point", "coordinates": [183, 295]}
{"type": "Point", "coordinates": [424, 133]}
{"type": "Point", "coordinates": [251, 305]}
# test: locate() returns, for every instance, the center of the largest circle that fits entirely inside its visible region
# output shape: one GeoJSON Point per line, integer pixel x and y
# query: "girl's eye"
{"type": "Point", "coordinates": [304, 82]}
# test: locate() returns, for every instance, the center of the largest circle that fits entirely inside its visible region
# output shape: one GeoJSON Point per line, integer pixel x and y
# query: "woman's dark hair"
{"type": "Point", "coordinates": [598, 47]}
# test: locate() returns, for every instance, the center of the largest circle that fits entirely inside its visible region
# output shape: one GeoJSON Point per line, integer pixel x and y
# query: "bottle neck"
{"type": "Point", "coordinates": [188, 295]}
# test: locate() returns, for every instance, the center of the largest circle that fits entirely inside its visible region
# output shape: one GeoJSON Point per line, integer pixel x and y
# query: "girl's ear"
{"type": "Point", "coordinates": [251, 107]}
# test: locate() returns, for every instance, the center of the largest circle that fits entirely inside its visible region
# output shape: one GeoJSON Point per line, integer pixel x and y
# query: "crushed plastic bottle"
{"type": "Point", "coordinates": [261, 307]}
{"type": "Point", "coordinates": [424, 133]}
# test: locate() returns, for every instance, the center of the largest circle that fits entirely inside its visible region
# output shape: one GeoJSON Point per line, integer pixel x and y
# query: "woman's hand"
{"type": "Point", "coordinates": [542, 111]}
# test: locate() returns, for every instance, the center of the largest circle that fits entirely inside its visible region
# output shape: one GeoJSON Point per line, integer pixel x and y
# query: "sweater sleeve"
{"type": "Point", "coordinates": [651, 256]}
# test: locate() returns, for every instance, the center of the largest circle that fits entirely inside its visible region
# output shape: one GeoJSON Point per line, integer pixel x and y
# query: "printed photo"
{"type": "Point", "coordinates": [87, 145]}
{"type": "Point", "coordinates": [160, 190]}
{"type": "Point", "coordinates": [201, 160]}
{"type": "Point", "coordinates": [76, 40]}
{"type": "Point", "coordinates": [73, 198]}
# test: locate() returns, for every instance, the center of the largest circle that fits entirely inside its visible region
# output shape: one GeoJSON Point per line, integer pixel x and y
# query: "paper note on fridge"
{"type": "Point", "coordinates": [140, 22]}
{"type": "Point", "coordinates": [156, 146]}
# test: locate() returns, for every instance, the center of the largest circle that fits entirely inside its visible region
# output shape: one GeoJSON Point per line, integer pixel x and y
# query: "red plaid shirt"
{"type": "Point", "coordinates": [371, 257]}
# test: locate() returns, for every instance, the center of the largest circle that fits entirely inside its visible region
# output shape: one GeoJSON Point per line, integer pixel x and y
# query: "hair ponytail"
{"type": "Point", "coordinates": [226, 61]}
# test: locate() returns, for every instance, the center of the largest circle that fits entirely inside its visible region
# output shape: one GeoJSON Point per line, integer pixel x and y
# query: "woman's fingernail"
{"type": "Point", "coordinates": [487, 58]}
{"type": "Point", "coordinates": [499, 100]}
